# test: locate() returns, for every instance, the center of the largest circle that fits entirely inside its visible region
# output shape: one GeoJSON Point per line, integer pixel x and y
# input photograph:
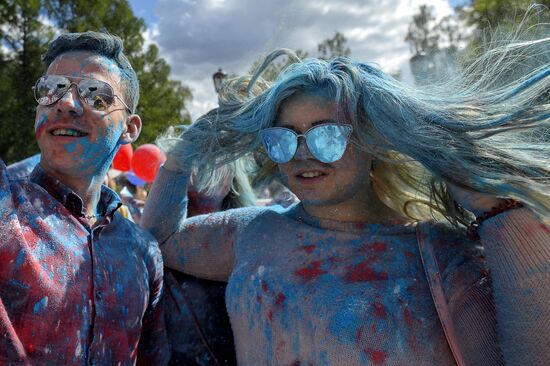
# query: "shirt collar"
{"type": "Point", "coordinates": [109, 201]}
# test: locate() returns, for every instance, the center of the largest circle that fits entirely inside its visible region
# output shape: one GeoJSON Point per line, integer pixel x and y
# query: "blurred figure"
{"type": "Point", "coordinates": [197, 323]}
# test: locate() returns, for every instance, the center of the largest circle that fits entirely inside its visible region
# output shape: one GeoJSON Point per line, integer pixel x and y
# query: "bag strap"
{"type": "Point", "coordinates": [436, 289]}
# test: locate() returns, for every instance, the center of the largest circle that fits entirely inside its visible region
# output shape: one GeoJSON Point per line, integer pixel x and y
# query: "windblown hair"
{"type": "Point", "coordinates": [104, 44]}
{"type": "Point", "coordinates": [488, 130]}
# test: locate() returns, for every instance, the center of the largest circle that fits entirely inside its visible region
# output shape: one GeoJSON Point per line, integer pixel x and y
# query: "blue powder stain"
{"type": "Point", "coordinates": [40, 305]}
{"type": "Point", "coordinates": [269, 337]}
{"type": "Point", "coordinates": [323, 357]}
{"type": "Point", "coordinates": [343, 325]}
{"type": "Point", "coordinates": [18, 284]}
{"type": "Point", "coordinates": [70, 148]}
{"type": "Point", "coordinates": [119, 289]}
{"type": "Point", "coordinates": [20, 258]}
{"type": "Point", "coordinates": [43, 118]}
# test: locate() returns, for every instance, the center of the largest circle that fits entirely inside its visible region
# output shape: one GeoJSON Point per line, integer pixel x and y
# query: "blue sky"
{"type": "Point", "coordinates": [196, 37]}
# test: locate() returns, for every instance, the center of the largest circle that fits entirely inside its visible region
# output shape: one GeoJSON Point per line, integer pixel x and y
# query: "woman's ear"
{"type": "Point", "coordinates": [133, 129]}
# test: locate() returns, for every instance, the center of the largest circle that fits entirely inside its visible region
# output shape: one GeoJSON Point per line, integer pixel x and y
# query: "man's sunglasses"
{"type": "Point", "coordinates": [96, 93]}
{"type": "Point", "coordinates": [326, 142]}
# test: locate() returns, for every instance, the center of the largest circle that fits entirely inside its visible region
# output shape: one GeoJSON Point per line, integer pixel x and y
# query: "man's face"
{"type": "Point", "coordinates": [74, 138]}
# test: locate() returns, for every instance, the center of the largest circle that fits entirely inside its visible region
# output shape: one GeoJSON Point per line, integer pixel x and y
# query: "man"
{"type": "Point", "coordinates": [79, 284]}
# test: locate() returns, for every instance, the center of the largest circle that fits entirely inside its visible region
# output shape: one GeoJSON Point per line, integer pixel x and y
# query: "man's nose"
{"type": "Point", "coordinates": [70, 103]}
{"type": "Point", "coordinates": [302, 152]}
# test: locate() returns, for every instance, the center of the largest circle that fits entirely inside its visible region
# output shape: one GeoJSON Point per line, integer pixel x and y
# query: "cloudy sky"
{"type": "Point", "coordinates": [197, 37]}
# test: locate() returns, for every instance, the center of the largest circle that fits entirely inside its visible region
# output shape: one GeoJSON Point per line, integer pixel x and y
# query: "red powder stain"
{"type": "Point", "coordinates": [30, 238]}
{"type": "Point", "coordinates": [307, 248]}
{"type": "Point", "coordinates": [259, 299]}
{"type": "Point", "coordinates": [280, 298]}
{"type": "Point", "coordinates": [359, 334]}
{"type": "Point", "coordinates": [545, 228]}
{"type": "Point", "coordinates": [377, 247]}
{"type": "Point", "coordinates": [264, 286]}
{"type": "Point", "coordinates": [270, 315]}
{"type": "Point", "coordinates": [311, 272]}
{"type": "Point", "coordinates": [409, 318]}
{"type": "Point", "coordinates": [380, 310]}
{"type": "Point", "coordinates": [376, 356]}
{"type": "Point", "coordinates": [362, 272]}
{"type": "Point", "coordinates": [410, 257]}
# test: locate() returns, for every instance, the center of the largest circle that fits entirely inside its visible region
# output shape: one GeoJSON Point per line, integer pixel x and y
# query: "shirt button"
{"type": "Point", "coordinates": [98, 295]}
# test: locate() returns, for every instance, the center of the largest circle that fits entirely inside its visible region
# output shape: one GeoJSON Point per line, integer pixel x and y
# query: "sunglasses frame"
{"type": "Point", "coordinates": [71, 83]}
{"type": "Point", "coordinates": [348, 128]}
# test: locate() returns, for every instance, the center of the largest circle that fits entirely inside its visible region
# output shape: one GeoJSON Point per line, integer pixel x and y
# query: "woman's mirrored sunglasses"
{"type": "Point", "coordinates": [96, 93]}
{"type": "Point", "coordinates": [326, 142]}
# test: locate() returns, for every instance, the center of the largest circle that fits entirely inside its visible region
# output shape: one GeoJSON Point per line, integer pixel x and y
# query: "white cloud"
{"type": "Point", "coordinates": [199, 36]}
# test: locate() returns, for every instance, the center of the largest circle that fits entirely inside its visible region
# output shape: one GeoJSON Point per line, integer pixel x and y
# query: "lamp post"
{"type": "Point", "coordinates": [218, 77]}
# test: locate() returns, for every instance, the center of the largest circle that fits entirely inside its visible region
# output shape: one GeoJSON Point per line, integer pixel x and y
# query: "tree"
{"type": "Point", "coordinates": [422, 35]}
{"type": "Point", "coordinates": [24, 38]}
{"type": "Point", "coordinates": [333, 47]}
{"type": "Point", "coordinates": [486, 15]}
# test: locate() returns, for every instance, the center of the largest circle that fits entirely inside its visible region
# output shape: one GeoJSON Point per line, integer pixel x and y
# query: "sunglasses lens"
{"type": "Point", "coordinates": [280, 144]}
{"type": "Point", "coordinates": [328, 142]}
{"type": "Point", "coordinates": [97, 94]}
{"type": "Point", "coordinates": [49, 89]}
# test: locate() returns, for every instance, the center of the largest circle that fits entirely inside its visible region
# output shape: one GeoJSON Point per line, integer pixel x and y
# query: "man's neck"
{"type": "Point", "coordinates": [88, 188]}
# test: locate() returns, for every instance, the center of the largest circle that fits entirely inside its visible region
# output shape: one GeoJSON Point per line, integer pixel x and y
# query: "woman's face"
{"type": "Point", "coordinates": [312, 181]}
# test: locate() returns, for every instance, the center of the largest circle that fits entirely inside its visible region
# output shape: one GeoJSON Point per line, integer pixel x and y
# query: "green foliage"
{"type": "Point", "coordinates": [25, 38]}
{"type": "Point", "coordinates": [496, 21]}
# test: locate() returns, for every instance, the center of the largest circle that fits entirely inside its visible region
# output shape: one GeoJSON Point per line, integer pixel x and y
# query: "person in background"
{"type": "Point", "coordinates": [358, 272]}
{"type": "Point", "coordinates": [79, 284]}
{"type": "Point", "coordinates": [197, 324]}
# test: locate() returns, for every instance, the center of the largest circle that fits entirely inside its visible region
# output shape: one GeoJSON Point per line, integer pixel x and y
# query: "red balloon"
{"type": "Point", "coordinates": [123, 158]}
{"type": "Point", "coordinates": [147, 161]}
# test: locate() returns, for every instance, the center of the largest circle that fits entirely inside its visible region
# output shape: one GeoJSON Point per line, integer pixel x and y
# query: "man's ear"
{"type": "Point", "coordinates": [133, 129]}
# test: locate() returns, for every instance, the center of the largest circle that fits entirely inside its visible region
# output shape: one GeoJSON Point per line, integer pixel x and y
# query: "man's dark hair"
{"type": "Point", "coordinates": [103, 44]}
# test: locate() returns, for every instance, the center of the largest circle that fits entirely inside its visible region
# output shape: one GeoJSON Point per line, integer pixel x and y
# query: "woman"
{"type": "Point", "coordinates": [339, 279]}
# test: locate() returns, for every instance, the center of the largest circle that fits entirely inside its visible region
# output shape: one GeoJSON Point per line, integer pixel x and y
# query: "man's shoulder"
{"type": "Point", "coordinates": [134, 231]}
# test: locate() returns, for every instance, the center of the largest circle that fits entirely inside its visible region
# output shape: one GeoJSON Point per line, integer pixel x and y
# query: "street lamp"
{"type": "Point", "coordinates": [218, 78]}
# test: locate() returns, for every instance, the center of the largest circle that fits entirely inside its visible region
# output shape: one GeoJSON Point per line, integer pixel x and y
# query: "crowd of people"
{"type": "Point", "coordinates": [335, 216]}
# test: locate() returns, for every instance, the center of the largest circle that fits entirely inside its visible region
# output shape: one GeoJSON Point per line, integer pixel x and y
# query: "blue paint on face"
{"type": "Point", "coordinates": [43, 118]}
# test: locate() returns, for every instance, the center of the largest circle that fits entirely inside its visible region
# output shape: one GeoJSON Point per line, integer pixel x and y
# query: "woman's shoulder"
{"type": "Point", "coordinates": [453, 250]}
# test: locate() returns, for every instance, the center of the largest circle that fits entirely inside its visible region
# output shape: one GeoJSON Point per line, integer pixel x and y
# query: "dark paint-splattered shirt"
{"type": "Point", "coordinates": [70, 294]}
{"type": "Point", "coordinates": [305, 291]}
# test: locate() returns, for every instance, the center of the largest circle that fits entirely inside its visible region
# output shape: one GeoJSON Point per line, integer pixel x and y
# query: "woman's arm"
{"type": "Point", "coordinates": [201, 246]}
{"type": "Point", "coordinates": [517, 250]}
